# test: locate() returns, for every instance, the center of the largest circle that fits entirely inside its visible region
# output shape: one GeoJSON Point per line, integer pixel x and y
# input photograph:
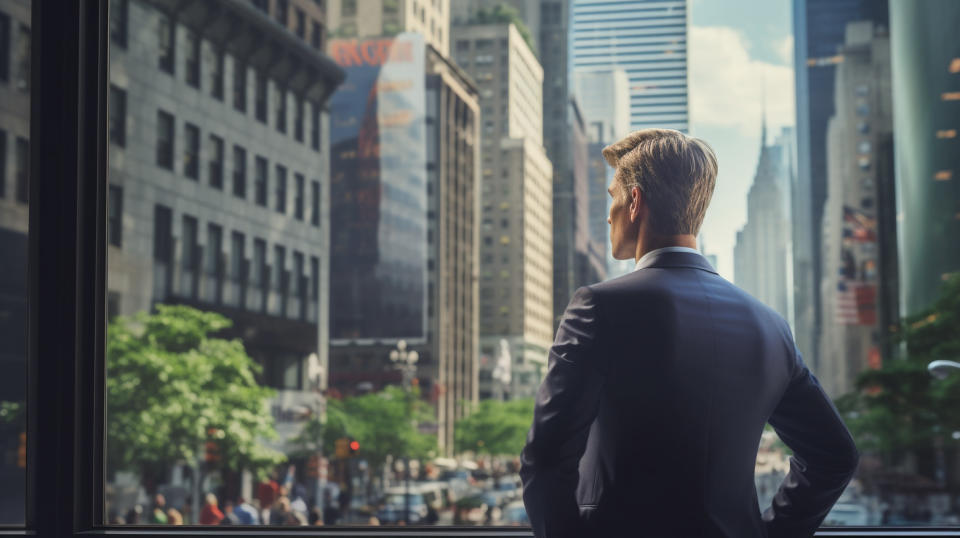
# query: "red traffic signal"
{"type": "Point", "coordinates": [354, 446]}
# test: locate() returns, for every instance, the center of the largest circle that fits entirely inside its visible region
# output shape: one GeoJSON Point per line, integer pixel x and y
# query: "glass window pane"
{"type": "Point", "coordinates": [14, 228]}
{"type": "Point", "coordinates": [354, 343]}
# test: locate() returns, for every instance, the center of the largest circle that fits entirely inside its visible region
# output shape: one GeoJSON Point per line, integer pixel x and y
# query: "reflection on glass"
{"type": "Point", "coordinates": [14, 196]}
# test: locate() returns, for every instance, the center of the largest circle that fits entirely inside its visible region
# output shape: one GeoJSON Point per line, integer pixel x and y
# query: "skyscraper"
{"type": "Point", "coordinates": [646, 39]}
{"type": "Point", "coordinates": [819, 27]}
{"type": "Point", "coordinates": [549, 23]}
{"type": "Point", "coordinates": [760, 254]}
{"type": "Point", "coordinates": [516, 250]}
{"type": "Point", "coordinates": [926, 108]}
{"type": "Point", "coordinates": [859, 167]}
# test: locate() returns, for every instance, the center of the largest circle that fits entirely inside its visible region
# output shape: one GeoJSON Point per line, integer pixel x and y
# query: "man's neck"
{"type": "Point", "coordinates": [654, 242]}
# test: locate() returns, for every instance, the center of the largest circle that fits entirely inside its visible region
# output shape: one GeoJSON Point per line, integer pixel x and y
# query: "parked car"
{"type": "Point", "coordinates": [393, 505]}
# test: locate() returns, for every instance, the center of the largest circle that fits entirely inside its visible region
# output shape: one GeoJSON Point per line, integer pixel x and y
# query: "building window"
{"type": "Point", "coordinates": [216, 75]}
{"type": "Point", "coordinates": [191, 151]}
{"type": "Point", "coordinates": [315, 203]}
{"type": "Point", "coordinates": [260, 98]}
{"type": "Point", "coordinates": [239, 172]}
{"type": "Point", "coordinates": [118, 22]}
{"type": "Point", "coordinates": [314, 278]}
{"type": "Point", "coordinates": [118, 116]}
{"type": "Point", "coordinates": [216, 162]}
{"type": "Point", "coordinates": [316, 35]}
{"type": "Point", "coordinates": [298, 192]}
{"type": "Point", "coordinates": [301, 29]}
{"type": "Point", "coordinates": [239, 86]}
{"type": "Point", "coordinates": [298, 120]}
{"type": "Point", "coordinates": [281, 108]}
{"type": "Point", "coordinates": [23, 59]}
{"type": "Point", "coordinates": [279, 267]}
{"type": "Point", "coordinates": [115, 216]}
{"type": "Point", "coordinates": [237, 258]}
{"type": "Point", "coordinates": [211, 265]}
{"type": "Point", "coordinates": [282, 8]}
{"type": "Point", "coordinates": [4, 47]}
{"type": "Point", "coordinates": [166, 36]}
{"type": "Point", "coordinates": [3, 163]}
{"type": "Point", "coordinates": [348, 8]}
{"type": "Point", "coordinates": [165, 140]}
{"type": "Point", "coordinates": [296, 287]}
{"type": "Point", "coordinates": [258, 278]}
{"type": "Point", "coordinates": [188, 256]}
{"type": "Point", "coordinates": [113, 305]}
{"type": "Point", "coordinates": [260, 182]}
{"type": "Point", "coordinates": [281, 199]}
{"type": "Point", "coordinates": [162, 234]}
{"type": "Point", "coordinates": [315, 127]}
{"type": "Point", "coordinates": [193, 60]}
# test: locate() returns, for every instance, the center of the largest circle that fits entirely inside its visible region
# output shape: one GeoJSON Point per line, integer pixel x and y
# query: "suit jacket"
{"type": "Point", "coordinates": [648, 421]}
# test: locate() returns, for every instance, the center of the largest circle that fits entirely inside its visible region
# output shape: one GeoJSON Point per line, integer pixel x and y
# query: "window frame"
{"type": "Point", "coordinates": [67, 293]}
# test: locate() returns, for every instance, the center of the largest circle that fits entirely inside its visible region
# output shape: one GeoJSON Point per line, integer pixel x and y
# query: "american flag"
{"type": "Point", "coordinates": [855, 303]}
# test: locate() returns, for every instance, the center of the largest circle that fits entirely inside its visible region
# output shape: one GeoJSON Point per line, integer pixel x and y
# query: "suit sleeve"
{"type": "Point", "coordinates": [566, 406]}
{"type": "Point", "coordinates": [824, 461]}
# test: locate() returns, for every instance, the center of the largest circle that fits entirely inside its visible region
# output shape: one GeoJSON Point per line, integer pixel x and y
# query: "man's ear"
{"type": "Point", "coordinates": [636, 203]}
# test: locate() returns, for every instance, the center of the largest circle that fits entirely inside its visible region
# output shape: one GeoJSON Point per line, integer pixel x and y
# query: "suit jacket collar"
{"type": "Point", "coordinates": [679, 259]}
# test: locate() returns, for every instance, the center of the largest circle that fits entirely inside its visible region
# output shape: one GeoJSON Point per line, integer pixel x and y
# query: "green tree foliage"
{"type": "Point", "coordinates": [901, 406]}
{"type": "Point", "coordinates": [171, 388]}
{"type": "Point", "coordinates": [496, 428]}
{"type": "Point", "coordinates": [505, 13]}
{"type": "Point", "coordinates": [382, 422]}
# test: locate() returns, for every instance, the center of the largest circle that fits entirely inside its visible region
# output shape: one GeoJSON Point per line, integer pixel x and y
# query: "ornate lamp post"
{"type": "Point", "coordinates": [406, 362]}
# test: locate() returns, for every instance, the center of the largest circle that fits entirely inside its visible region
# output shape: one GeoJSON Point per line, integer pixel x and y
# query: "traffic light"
{"type": "Point", "coordinates": [354, 448]}
{"type": "Point", "coordinates": [341, 448]}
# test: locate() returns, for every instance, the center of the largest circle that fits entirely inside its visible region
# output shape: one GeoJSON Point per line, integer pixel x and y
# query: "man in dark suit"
{"type": "Point", "coordinates": [660, 382]}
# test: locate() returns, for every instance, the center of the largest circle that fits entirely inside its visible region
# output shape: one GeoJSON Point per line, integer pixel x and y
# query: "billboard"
{"type": "Point", "coordinates": [378, 205]}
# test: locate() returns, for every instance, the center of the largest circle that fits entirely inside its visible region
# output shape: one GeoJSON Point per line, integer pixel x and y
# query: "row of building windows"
{"type": "Point", "coordinates": [256, 271]}
{"type": "Point", "coordinates": [165, 158]}
{"type": "Point", "coordinates": [193, 77]}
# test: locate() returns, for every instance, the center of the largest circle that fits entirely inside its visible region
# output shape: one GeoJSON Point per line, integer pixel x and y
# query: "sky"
{"type": "Point", "coordinates": [737, 49]}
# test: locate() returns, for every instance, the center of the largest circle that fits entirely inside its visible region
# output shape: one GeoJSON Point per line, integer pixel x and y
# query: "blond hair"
{"type": "Point", "coordinates": [675, 173]}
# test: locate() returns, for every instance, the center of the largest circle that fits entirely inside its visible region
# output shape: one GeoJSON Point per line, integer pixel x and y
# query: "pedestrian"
{"type": "Point", "coordinates": [267, 492]}
{"type": "Point", "coordinates": [211, 514]}
{"type": "Point", "coordinates": [134, 514]}
{"type": "Point", "coordinates": [174, 516]}
{"type": "Point", "coordinates": [316, 517]}
{"type": "Point", "coordinates": [279, 511]}
{"type": "Point", "coordinates": [330, 512]}
{"type": "Point", "coordinates": [230, 516]}
{"type": "Point", "coordinates": [158, 516]}
{"type": "Point", "coordinates": [247, 513]}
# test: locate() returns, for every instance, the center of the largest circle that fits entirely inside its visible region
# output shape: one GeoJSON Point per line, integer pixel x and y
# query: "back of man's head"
{"type": "Point", "coordinates": [675, 173]}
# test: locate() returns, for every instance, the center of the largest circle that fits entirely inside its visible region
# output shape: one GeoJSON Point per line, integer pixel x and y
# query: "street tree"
{"type": "Point", "coordinates": [495, 427]}
{"type": "Point", "coordinates": [176, 394]}
{"type": "Point", "coordinates": [900, 406]}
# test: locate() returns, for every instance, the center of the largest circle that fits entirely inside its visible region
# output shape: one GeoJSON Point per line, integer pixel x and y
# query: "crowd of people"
{"type": "Point", "coordinates": [273, 504]}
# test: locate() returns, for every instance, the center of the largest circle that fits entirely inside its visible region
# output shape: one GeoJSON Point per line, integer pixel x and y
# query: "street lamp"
{"type": "Point", "coordinates": [406, 362]}
{"type": "Point", "coordinates": [941, 369]}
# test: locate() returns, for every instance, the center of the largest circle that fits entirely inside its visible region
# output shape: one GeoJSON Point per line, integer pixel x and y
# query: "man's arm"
{"type": "Point", "coordinates": [565, 408]}
{"type": "Point", "coordinates": [825, 457]}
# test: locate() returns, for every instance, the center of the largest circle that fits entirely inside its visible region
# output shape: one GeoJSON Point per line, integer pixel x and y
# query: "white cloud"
{"type": "Point", "coordinates": [726, 84]}
{"type": "Point", "coordinates": [784, 49]}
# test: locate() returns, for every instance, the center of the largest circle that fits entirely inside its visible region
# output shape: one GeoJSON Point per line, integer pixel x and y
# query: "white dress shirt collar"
{"type": "Point", "coordinates": [647, 258]}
